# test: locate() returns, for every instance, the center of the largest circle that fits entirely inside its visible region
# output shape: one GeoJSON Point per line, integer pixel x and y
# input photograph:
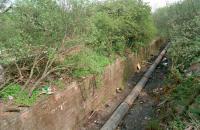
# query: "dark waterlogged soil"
{"type": "Point", "coordinates": [146, 106]}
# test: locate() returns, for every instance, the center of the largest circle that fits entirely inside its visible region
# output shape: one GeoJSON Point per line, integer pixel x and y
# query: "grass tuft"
{"type": "Point", "coordinates": [19, 97]}
{"type": "Point", "coordinates": [87, 62]}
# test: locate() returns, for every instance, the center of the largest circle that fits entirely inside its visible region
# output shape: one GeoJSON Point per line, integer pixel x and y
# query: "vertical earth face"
{"type": "Point", "coordinates": [1, 75]}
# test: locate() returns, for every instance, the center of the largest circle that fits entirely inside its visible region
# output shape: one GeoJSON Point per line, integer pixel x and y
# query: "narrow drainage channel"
{"type": "Point", "coordinates": [101, 117]}
{"type": "Point", "coordinates": [124, 107]}
{"type": "Point", "coordinates": [145, 107]}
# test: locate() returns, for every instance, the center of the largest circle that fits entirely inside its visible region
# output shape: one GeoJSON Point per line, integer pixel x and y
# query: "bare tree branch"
{"type": "Point", "coordinates": [35, 62]}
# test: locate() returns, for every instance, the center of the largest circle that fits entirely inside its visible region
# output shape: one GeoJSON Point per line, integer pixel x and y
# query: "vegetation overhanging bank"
{"type": "Point", "coordinates": [43, 41]}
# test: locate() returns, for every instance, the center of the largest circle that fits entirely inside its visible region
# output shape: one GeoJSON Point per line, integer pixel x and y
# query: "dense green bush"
{"type": "Point", "coordinates": [180, 22]}
{"type": "Point", "coordinates": [107, 26]}
{"type": "Point", "coordinates": [31, 28]}
{"type": "Point", "coordinates": [28, 28]}
{"type": "Point", "coordinates": [118, 24]}
{"type": "Point", "coordinates": [35, 34]}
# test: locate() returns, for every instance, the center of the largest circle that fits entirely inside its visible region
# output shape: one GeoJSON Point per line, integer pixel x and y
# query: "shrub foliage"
{"type": "Point", "coordinates": [180, 22]}
{"type": "Point", "coordinates": [36, 36]}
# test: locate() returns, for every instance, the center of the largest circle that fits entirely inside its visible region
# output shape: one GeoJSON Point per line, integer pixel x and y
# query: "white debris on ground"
{"type": "Point", "coordinates": [10, 97]}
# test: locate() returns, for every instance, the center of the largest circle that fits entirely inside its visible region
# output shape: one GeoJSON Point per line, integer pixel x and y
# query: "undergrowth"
{"type": "Point", "coordinates": [180, 23]}
{"type": "Point", "coordinates": [87, 62]}
{"type": "Point", "coordinates": [19, 96]}
{"type": "Point", "coordinates": [37, 38]}
{"type": "Point", "coordinates": [183, 102]}
{"type": "Point", "coordinates": [184, 92]}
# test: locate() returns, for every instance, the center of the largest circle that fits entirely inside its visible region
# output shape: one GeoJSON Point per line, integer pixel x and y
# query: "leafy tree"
{"type": "Point", "coordinates": [34, 33]}
{"type": "Point", "coordinates": [180, 22]}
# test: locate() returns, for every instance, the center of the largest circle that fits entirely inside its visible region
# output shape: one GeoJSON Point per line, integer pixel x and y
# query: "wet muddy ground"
{"type": "Point", "coordinates": [146, 106]}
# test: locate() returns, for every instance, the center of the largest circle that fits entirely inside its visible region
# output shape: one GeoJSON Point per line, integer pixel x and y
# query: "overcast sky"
{"type": "Point", "coordinates": [155, 4]}
{"type": "Point", "coordinates": [159, 3]}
